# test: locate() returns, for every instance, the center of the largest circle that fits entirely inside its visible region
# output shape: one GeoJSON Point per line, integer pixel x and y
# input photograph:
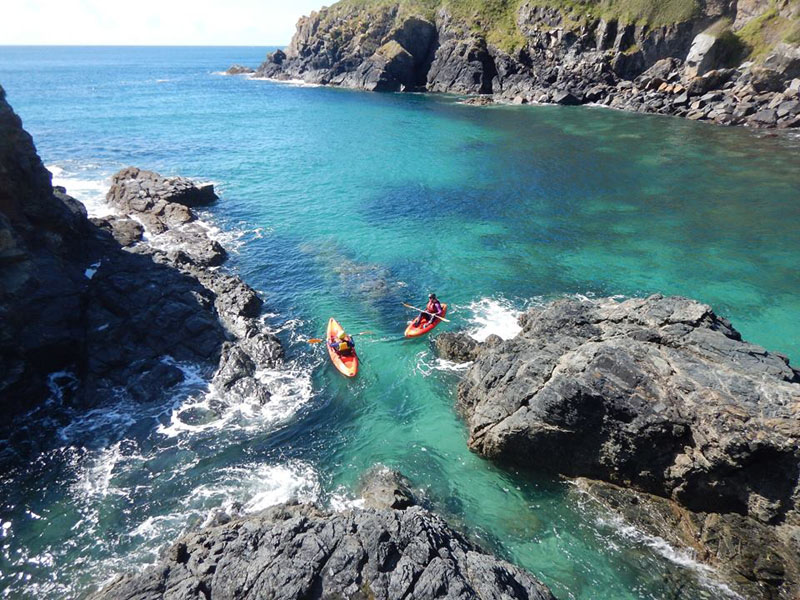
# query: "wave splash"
{"type": "Point", "coordinates": [493, 316]}
{"type": "Point", "coordinates": [115, 484]}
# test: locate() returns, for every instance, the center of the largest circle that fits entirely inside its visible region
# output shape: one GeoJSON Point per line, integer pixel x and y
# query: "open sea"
{"type": "Point", "coordinates": [346, 204]}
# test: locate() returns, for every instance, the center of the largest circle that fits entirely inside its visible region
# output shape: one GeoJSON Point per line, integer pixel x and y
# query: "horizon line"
{"type": "Point", "coordinates": [143, 45]}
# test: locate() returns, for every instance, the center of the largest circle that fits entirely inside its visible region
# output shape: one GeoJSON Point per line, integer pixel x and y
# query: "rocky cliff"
{"type": "Point", "coordinates": [691, 58]}
{"type": "Point", "coordinates": [387, 550]}
{"type": "Point", "coordinates": [93, 298]}
{"type": "Point", "coordinates": [659, 396]}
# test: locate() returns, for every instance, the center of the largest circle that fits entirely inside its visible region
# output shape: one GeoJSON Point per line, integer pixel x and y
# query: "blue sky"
{"type": "Point", "coordinates": [153, 22]}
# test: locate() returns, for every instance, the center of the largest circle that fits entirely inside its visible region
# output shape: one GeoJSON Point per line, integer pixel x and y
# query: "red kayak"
{"type": "Point", "coordinates": [347, 364]}
{"type": "Point", "coordinates": [412, 331]}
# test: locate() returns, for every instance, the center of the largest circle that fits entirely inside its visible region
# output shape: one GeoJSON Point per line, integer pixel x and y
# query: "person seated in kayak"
{"type": "Point", "coordinates": [434, 307]}
{"type": "Point", "coordinates": [343, 344]}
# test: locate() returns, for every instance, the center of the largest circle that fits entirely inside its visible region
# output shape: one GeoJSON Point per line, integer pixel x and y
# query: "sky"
{"type": "Point", "coordinates": [152, 22]}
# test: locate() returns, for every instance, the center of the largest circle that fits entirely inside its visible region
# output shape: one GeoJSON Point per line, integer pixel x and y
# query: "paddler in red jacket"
{"type": "Point", "coordinates": [434, 307]}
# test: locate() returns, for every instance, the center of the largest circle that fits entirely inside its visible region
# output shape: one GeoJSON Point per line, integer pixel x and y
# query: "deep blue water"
{"type": "Point", "coordinates": [346, 204]}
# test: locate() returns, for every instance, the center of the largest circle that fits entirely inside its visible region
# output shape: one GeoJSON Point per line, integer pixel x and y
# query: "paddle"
{"type": "Point", "coordinates": [426, 312]}
{"type": "Point", "coordinates": [318, 340]}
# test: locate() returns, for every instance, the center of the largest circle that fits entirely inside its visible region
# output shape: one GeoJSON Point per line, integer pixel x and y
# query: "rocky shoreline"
{"type": "Point", "coordinates": [693, 67]}
{"type": "Point", "coordinates": [116, 302]}
{"type": "Point", "coordinates": [389, 549]}
{"type": "Point", "coordinates": [694, 432]}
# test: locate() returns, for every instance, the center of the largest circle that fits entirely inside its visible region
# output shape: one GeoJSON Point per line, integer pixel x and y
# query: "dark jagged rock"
{"type": "Point", "coordinates": [383, 488]}
{"type": "Point", "coordinates": [42, 241]}
{"type": "Point", "coordinates": [458, 347]}
{"type": "Point", "coordinates": [126, 232]}
{"type": "Point", "coordinates": [557, 56]}
{"type": "Point", "coordinates": [461, 347]}
{"type": "Point", "coordinates": [159, 202]}
{"type": "Point", "coordinates": [660, 395]}
{"type": "Point", "coordinates": [299, 551]}
{"type": "Point", "coordinates": [93, 298]}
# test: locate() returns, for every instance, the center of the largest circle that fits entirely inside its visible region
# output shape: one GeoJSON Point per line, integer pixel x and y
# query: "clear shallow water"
{"type": "Point", "coordinates": [346, 204]}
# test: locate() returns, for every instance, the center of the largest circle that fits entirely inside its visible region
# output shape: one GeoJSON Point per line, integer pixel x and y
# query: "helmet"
{"type": "Point", "coordinates": [431, 296]}
{"type": "Point", "coordinates": [343, 336]}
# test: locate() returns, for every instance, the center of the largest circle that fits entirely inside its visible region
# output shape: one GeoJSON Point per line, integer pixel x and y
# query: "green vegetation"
{"type": "Point", "coordinates": [761, 34]}
{"type": "Point", "coordinates": [496, 19]}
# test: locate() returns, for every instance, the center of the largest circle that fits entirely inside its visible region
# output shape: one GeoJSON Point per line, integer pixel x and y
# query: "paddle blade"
{"type": "Point", "coordinates": [315, 340]}
{"type": "Point", "coordinates": [365, 332]}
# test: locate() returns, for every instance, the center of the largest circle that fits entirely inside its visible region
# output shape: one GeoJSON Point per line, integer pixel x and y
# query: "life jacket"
{"type": "Point", "coordinates": [344, 346]}
{"type": "Point", "coordinates": [432, 307]}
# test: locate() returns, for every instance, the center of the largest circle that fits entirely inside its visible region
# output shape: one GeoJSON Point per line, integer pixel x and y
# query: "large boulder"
{"type": "Point", "coordinates": [383, 488]}
{"type": "Point", "coordinates": [299, 551]}
{"type": "Point", "coordinates": [390, 69]}
{"type": "Point", "coordinates": [703, 55]}
{"type": "Point", "coordinates": [656, 394]}
{"type": "Point", "coordinates": [137, 190]}
{"type": "Point", "coordinates": [458, 347]}
{"type": "Point", "coordinates": [659, 394]}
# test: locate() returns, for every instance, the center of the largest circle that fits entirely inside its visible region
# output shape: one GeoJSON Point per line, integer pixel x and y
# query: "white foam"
{"type": "Point", "coordinates": [101, 425]}
{"type": "Point", "coordinates": [341, 500]}
{"type": "Point", "coordinates": [684, 558]}
{"type": "Point", "coordinates": [292, 82]}
{"type": "Point", "coordinates": [495, 316]}
{"type": "Point", "coordinates": [95, 478]}
{"type": "Point", "coordinates": [90, 191]}
{"type": "Point", "coordinates": [290, 388]}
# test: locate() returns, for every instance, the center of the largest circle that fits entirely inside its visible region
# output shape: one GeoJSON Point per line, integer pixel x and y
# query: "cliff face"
{"type": "Point", "coordinates": [42, 244]}
{"type": "Point", "coordinates": [557, 51]}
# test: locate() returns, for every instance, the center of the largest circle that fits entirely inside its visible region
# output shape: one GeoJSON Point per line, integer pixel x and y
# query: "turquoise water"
{"type": "Point", "coordinates": [346, 204]}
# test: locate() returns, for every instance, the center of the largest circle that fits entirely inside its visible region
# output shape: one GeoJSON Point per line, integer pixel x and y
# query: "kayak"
{"type": "Point", "coordinates": [346, 365]}
{"type": "Point", "coordinates": [412, 331]}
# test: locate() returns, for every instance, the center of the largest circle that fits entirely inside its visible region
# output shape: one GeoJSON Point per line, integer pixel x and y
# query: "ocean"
{"type": "Point", "coordinates": [347, 204]}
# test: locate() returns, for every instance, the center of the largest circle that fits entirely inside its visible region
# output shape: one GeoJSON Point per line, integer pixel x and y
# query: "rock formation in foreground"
{"type": "Point", "coordinates": [732, 63]}
{"type": "Point", "coordinates": [93, 298]}
{"type": "Point", "coordinates": [296, 551]}
{"type": "Point", "coordinates": [662, 396]}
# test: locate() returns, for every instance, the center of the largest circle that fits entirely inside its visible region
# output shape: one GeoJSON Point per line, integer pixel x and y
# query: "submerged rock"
{"type": "Point", "coordinates": [300, 551]}
{"type": "Point", "coordinates": [657, 394]}
{"type": "Point", "coordinates": [383, 488]}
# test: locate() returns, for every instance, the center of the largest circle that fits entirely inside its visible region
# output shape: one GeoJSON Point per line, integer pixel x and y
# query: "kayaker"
{"type": "Point", "coordinates": [343, 344]}
{"type": "Point", "coordinates": [434, 307]}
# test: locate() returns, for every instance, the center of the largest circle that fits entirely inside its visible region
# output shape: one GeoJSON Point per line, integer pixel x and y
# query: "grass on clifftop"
{"type": "Point", "coordinates": [763, 33]}
{"type": "Point", "coordinates": [497, 19]}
